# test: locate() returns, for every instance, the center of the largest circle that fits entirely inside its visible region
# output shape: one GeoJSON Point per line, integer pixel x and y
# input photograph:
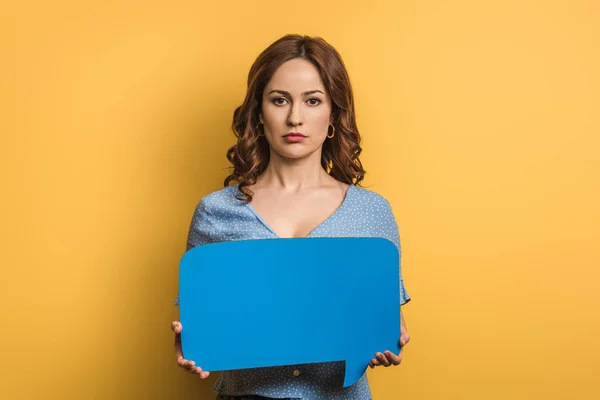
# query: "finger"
{"type": "Point", "coordinates": [186, 364]}
{"type": "Point", "coordinates": [200, 372]}
{"type": "Point", "coordinates": [189, 365]}
{"type": "Point", "coordinates": [386, 362]}
{"type": "Point", "coordinates": [404, 339]}
{"type": "Point", "coordinates": [383, 360]}
{"type": "Point", "coordinates": [394, 359]}
{"type": "Point", "coordinates": [176, 327]}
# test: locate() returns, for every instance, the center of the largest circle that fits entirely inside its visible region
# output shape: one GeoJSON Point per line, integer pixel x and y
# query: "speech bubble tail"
{"type": "Point", "coordinates": [354, 370]}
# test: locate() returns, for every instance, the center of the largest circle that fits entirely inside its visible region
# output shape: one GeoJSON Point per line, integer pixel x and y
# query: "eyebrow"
{"type": "Point", "coordinates": [288, 93]}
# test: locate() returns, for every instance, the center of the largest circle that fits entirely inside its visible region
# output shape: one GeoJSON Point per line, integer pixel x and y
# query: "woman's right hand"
{"type": "Point", "coordinates": [182, 362]}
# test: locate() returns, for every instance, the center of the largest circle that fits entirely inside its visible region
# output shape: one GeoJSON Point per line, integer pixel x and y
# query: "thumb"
{"type": "Point", "coordinates": [176, 327]}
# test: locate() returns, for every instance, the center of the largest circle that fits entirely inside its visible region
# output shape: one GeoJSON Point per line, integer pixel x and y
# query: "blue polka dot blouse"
{"type": "Point", "coordinates": [220, 216]}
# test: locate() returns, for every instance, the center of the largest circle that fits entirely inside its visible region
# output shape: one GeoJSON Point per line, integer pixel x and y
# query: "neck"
{"type": "Point", "coordinates": [294, 174]}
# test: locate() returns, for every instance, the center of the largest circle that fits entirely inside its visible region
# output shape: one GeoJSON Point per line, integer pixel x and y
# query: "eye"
{"type": "Point", "coordinates": [275, 101]}
{"type": "Point", "coordinates": [318, 101]}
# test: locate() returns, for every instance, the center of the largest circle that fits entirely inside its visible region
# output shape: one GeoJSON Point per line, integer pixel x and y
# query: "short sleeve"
{"type": "Point", "coordinates": [392, 233]}
{"type": "Point", "coordinates": [201, 230]}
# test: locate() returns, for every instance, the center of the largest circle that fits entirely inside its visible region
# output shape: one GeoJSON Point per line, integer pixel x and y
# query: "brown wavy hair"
{"type": "Point", "coordinates": [340, 154]}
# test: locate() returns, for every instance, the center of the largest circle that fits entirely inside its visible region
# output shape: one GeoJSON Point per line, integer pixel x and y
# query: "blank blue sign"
{"type": "Point", "coordinates": [273, 302]}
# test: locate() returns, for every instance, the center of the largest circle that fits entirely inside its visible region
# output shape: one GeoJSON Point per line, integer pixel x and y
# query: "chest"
{"type": "Point", "coordinates": [296, 216]}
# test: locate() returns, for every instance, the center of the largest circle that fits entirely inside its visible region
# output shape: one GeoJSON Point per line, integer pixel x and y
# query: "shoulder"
{"type": "Point", "coordinates": [377, 211]}
{"type": "Point", "coordinates": [220, 201]}
{"type": "Point", "coordinates": [370, 198]}
{"type": "Point", "coordinates": [221, 197]}
{"type": "Point", "coordinates": [373, 206]}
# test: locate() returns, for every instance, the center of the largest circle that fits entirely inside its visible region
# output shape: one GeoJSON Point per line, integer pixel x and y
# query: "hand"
{"type": "Point", "coordinates": [182, 362]}
{"type": "Point", "coordinates": [387, 358]}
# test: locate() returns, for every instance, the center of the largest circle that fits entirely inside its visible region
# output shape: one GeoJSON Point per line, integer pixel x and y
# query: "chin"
{"type": "Point", "coordinates": [294, 153]}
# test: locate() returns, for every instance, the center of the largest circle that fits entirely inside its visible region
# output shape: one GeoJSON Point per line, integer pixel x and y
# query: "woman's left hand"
{"type": "Point", "coordinates": [387, 358]}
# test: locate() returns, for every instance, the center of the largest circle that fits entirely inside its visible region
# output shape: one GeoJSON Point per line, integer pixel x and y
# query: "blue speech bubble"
{"type": "Point", "coordinates": [306, 300]}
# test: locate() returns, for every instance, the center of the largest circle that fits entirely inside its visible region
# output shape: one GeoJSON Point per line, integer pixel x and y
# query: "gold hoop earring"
{"type": "Point", "coordinates": [332, 133]}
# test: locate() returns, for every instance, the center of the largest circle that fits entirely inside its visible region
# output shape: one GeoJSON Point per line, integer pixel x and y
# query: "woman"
{"type": "Point", "coordinates": [297, 167]}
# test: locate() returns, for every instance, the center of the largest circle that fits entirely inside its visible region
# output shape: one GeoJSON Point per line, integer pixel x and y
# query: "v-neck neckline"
{"type": "Point", "coordinates": [337, 210]}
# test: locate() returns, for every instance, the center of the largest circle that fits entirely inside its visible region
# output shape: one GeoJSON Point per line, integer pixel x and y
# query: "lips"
{"type": "Point", "coordinates": [294, 134]}
{"type": "Point", "coordinates": [294, 137]}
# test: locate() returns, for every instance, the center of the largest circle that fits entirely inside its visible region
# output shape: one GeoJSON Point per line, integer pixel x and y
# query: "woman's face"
{"type": "Point", "coordinates": [295, 101]}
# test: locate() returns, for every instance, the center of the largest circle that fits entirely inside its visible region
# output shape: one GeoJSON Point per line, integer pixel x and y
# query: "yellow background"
{"type": "Point", "coordinates": [480, 124]}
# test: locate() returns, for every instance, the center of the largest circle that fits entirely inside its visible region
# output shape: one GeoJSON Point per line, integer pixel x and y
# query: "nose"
{"type": "Point", "coordinates": [294, 117]}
